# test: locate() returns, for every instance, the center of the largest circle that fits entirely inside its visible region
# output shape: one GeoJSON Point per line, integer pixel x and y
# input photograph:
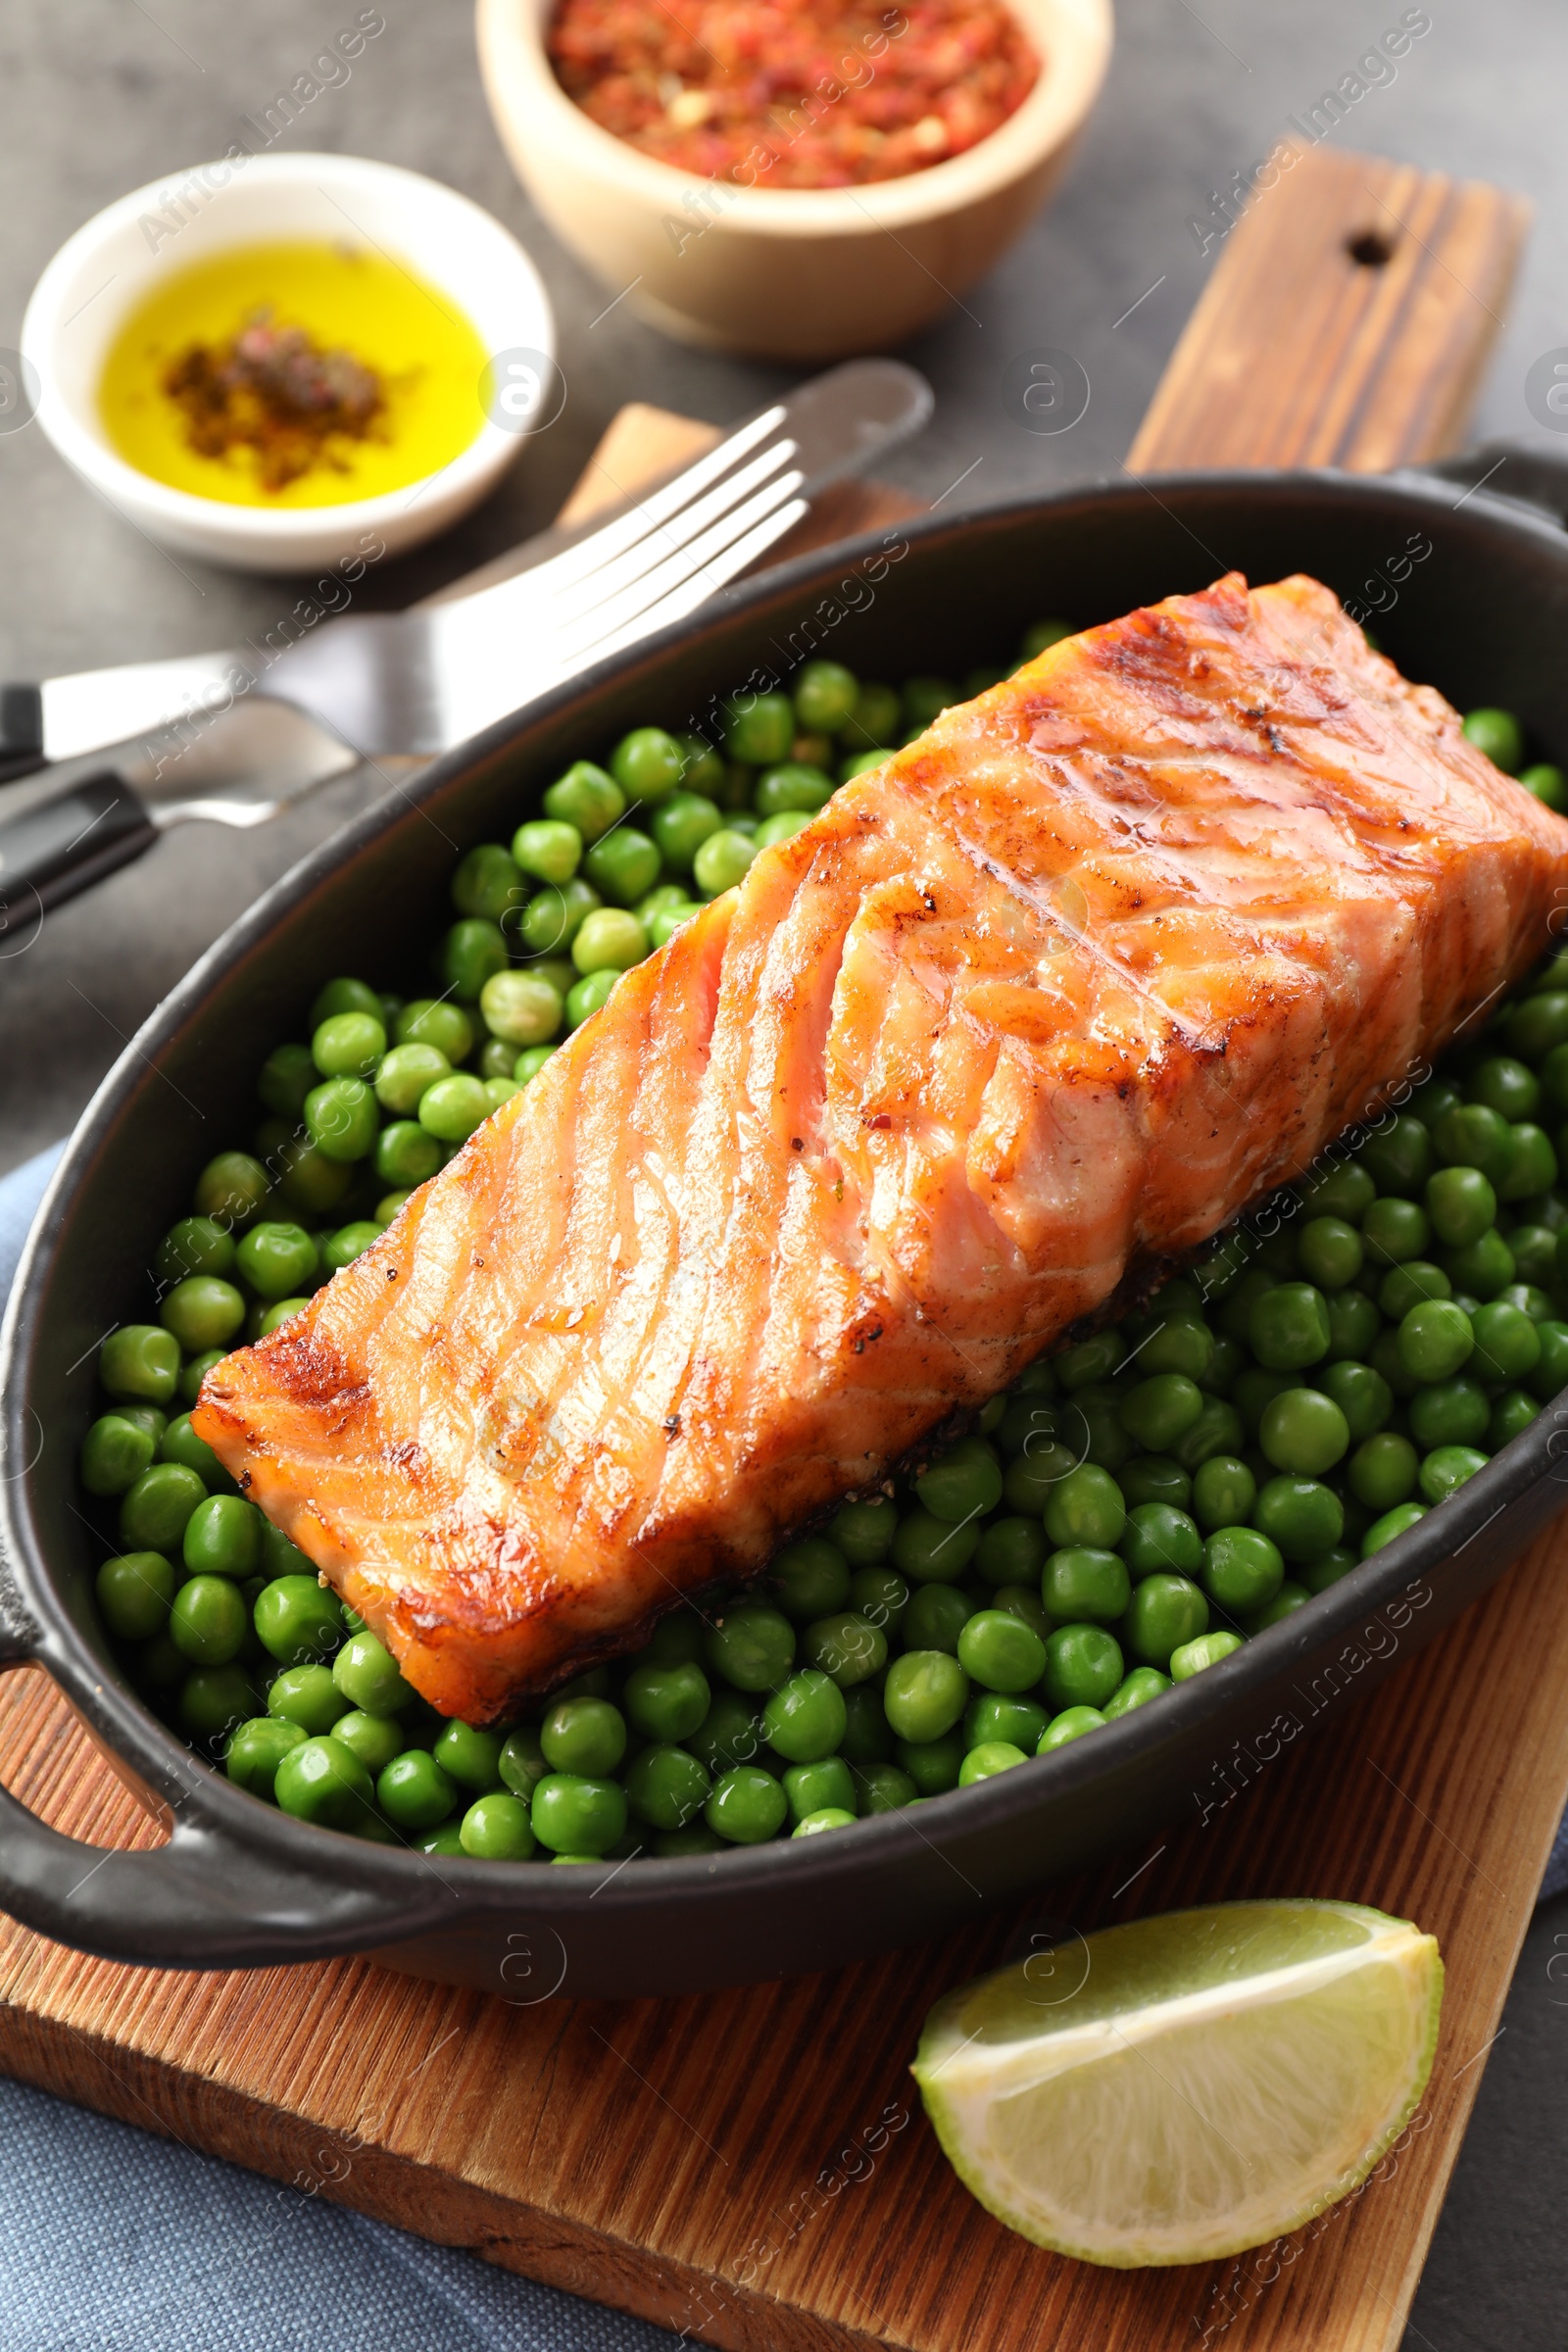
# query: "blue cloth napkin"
{"type": "Point", "coordinates": [112, 2240]}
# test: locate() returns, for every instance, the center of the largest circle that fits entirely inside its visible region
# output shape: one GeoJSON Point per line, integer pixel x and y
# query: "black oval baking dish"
{"type": "Point", "coordinates": [1483, 612]}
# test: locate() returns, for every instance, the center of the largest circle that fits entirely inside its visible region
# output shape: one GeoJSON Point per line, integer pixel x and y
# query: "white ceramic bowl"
{"type": "Point", "coordinates": [794, 273]}
{"type": "Point", "coordinates": [112, 263]}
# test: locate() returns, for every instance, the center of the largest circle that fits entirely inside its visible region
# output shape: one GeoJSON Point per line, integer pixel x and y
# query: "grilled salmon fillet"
{"type": "Point", "coordinates": [1105, 953]}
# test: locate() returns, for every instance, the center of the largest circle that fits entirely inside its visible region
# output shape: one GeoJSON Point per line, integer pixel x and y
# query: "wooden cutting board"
{"type": "Point", "coordinates": [750, 2169]}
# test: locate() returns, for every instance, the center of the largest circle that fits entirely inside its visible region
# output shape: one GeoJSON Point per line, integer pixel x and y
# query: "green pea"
{"type": "Point", "coordinates": [1071, 1724]}
{"type": "Point", "coordinates": [662, 926]}
{"type": "Point", "coordinates": [1090, 1362]}
{"type": "Point", "coordinates": [924, 1694]}
{"type": "Point", "coordinates": [983, 1763]}
{"type": "Point", "coordinates": [134, 1592]}
{"type": "Point", "coordinates": [1395, 1230]}
{"type": "Point", "coordinates": [470, 952]}
{"type": "Point", "coordinates": [759, 728]}
{"type": "Point", "coordinates": [1548, 784]}
{"type": "Point", "coordinates": [223, 1536]}
{"type": "Point", "coordinates": [1243, 1570]}
{"type": "Point", "coordinates": [340, 1116]}
{"type": "Point", "coordinates": [1484, 1268]}
{"type": "Point", "coordinates": [811, 1579]}
{"type": "Point", "coordinates": [1304, 1430]}
{"type": "Point", "coordinates": [1135, 1690]}
{"type": "Point", "coordinates": [793, 787]}
{"type": "Point", "coordinates": [1029, 1483]}
{"type": "Point", "coordinates": [936, 1616]}
{"type": "Point", "coordinates": [554, 916]}
{"type": "Point", "coordinates": [1224, 1492]}
{"type": "Point", "coordinates": [1381, 1471]}
{"type": "Point", "coordinates": [1318, 1575]}
{"type": "Point", "coordinates": [1158, 1536]}
{"type": "Point", "coordinates": [1405, 1287]}
{"type": "Point", "coordinates": [367, 1676]}
{"type": "Point", "coordinates": [1498, 735]}
{"type": "Point", "coordinates": [1551, 1374]}
{"type": "Point", "coordinates": [1447, 1468]}
{"type": "Point", "coordinates": [139, 1362]}
{"type": "Point", "coordinates": [150, 1419]}
{"type": "Point", "coordinates": [748, 1806]}
{"type": "Point", "coordinates": [1393, 1523]}
{"type": "Point", "coordinates": [622, 866]}
{"type": "Point", "coordinates": [1507, 1345]}
{"type": "Point", "coordinates": [583, 1737]}
{"type": "Point", "coordinates": [1506, 1085]}
{"type": "Point", "coordinates": [1028, 1423]}
{"type": "Point", "coordinates": [1086, 1508]}
{"type": "Point", "coordinates": [154, 1510]}
{"type": "Point", "coordinates": [113, 1454]}
{"type": "Point", "coordinates": [723, 860]}
{"type": "Point", "coordinates": [805, 1719]}
{"type": "Point", "coordinates": [1288, 1328]}
{"type": "Point", "coordinates": [307, 1694]}
{"type": "Point", "coordinates": [1435, 1339]}
{"type": "Point", "coordinates": [1164, 1611]}
{"type": "Point", "coordinates": [454, 1107]}
{"type": "Point", "coordinates": [1510, 1416]}
{"type": "Point", "coordinates": [348, 1046]}
{"type": "Point", "coordinates": [876, 720]}
{"type": "Point", "coordinates": [487, 882]}
{"type": "Point", "coordinates": [374, 1739]}
{"type": "Point", "coordinates": [1330, 1253]}
{"type": "Point", "coordinates": [285, 1078]}
{"type": "Point", "coordinates": [1158, 1411]}
{"type": "Point", "coordinates": [203, 1312]}
{"type": "Point", "coordinates": [1084, 1663]}
{"type": "Point", "coordinates": [863, 1530]}
{"type": "Point", "coordinates": [961, 1484]}
{"type": "Point", "coordinates": [648, 764]}
{"type": "Point", "coordinates": [546, 848]}
{"type": "Point", "coordinates": [195, 1246]}
{"type": "Point", "coordinates": [1537, 1028]}
{"type": "Point", "coordinates": [195, 1372]}
{"type": "Point", "coordinates": [703, 769]}
{"type": "Point", "coordinates": [881, 1596]}
{"type": "Point", "coordinates": [1301, 1515]}
{"type": "Point", "coordinates": [1451, 1412]}
{"type": "Point", "coordinates": [1083, 1583]}
{"type": "Point", "coordinates": [276, 1259]}
{"type": "Point", "coordinates": [298, 1620]}
{"type": "Point", "coordinates": [406, 1154]}
{"type": "Point", "coordinates": [208, 1621]}
{"type": "Point", "coordinates": [521, 1761]}
{"type": "Point", "coordinates": [1532, 1163]}
{"type": "Point", "coordinates": [668, 1788]}
{"type": "Point", "coordinates": [322, 1780]}
{"type": "Point", "coordinates": [752, 1647]}
{"type": "Point", "coordinates": [1025, 1602]}
{"type": "Point", "coordinates": [213, 1701]}
{"type": "Point", "coordinates": [933, 1765]}
{"type": "Point", "coordinates": [1206, 1650]}
{"type": "Point", "coordinates": [586, 799]}
{"type": "Point", "coordinates": [1155, 1478]}
{"type": "Point", "coordinates": [933, 1550]}
{"type": "Point", "coordinates": [666, 1703]}
{"type": "Point", "coordinates": [730, 1733]}
{"type": "Point", "coordinates": [1471, 1135]}
{"type": "Point", "coordinates": [528, 1066]}
{"type": "Point", "coordinates": [825, 696]}
{"type": "Point", "coordinates": [497, 1828]}
{"type": "Point", "coordinates": [520, 1008]}
{"type": "Point", "coordinates": [925, 698]}
{"type": "Point", "coordinates": [231, 1189]}
{"type": "Point", "coordinates": [1345, 1191]}
{"type": "Point", "coordinates": [1004, 1715]}
{"type": "Point", "coordinates": [847, 1648]}
{"type": "Point", "coordinates": [415, 1791]}
{"type": "Point", "coordinates": [256, 1749]}
{"type": "Point", "coordinates": [447, 1840]}
{"type": "Point", "coordinates": [682, 826]}
{"type": "Point", "coordinates": [1534, 1249]}
{"type": "Point", "coordinates": [1177, 1344]}
{"type": "Point", "coordinates": [441, 1025]}
{"type": "Point", "coordinates": [883, 1788]}
{"type": "Point", "coordinates": [1000, 1652]}
{"type": "Point", "coordinates": [312, 1182]}
{"type": "Point", "coordinates": [1363, 1397]}
{"type": "Point", "coordinates": [1398, 1159]}
{"type": "Point", "coordinates": [610, 941]}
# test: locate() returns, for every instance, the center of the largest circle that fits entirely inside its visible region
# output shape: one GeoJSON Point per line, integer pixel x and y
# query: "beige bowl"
{"type": "Point", "coordinates": [793, 273]}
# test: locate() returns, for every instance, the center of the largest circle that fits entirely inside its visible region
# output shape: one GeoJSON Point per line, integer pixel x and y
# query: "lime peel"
{"type": "Point", "coordinates": [1215, 2079]}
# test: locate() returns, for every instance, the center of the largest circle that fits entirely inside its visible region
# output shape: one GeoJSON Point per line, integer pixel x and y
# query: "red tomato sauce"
{"type": "Point", "coordinates": [794, 93]}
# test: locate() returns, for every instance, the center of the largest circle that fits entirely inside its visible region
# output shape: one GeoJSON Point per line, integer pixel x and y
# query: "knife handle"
{"type": "Point", "coordinates": [63, 846]}
{"type": "Point", "coordinates": [20, 731]}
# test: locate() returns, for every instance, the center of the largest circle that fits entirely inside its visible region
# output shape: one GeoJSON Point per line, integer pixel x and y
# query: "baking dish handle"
{"type": "Point", "coordinates": [1511, 471]}
{"type": "Point", "coordinates": [210, 1897]}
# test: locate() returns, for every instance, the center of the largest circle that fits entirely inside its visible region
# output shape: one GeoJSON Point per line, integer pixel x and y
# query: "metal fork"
{"type": "Point", "coordinates": [417, 682]}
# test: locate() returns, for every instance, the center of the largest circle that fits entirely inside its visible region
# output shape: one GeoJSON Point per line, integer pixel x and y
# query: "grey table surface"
{"type": "Point", "coordinates": [97, 97]}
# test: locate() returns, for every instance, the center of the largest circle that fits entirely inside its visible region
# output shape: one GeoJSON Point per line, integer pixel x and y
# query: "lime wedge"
{"type": "Point", "coordinates": [1183, 2088]}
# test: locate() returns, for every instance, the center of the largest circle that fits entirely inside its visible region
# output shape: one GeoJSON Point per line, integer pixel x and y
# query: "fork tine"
{"type": "Point", "coordinates": [692, 562]}
{"type": "Point", "coordinates": [658, 545]}
{"type": "Point", "coordinates": [614, 538]}
{"type": "Point", "coordinates": [716, 573]}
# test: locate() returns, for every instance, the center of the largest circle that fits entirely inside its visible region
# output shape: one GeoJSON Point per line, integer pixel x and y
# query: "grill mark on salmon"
{"type": "Point", "coordinates": [1107, 954]}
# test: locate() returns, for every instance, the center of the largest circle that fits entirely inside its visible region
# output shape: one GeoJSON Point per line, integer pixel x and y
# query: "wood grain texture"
{"type": "Point", "coordinates": [1298, 353]}
{"type": "Point", "coordinates": [752, 2168]}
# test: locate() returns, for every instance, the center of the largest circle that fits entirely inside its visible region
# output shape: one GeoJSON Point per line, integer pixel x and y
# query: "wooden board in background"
{"type": "Point", "coordinates": [749, 2167]}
